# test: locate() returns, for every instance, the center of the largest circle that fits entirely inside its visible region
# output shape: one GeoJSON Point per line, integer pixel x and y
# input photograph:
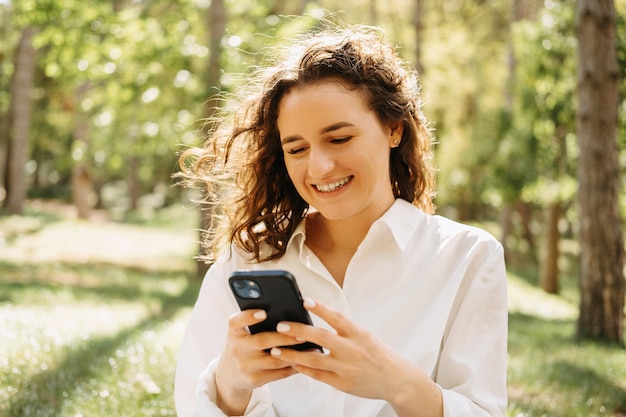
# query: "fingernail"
{"type": "Point", "coordinates": [260, 315]}
{"type": "Point", "coordinates": [283, 327]}
{"type": "Point", "coordinates": [309, 303]}
{"type": "Point", "coordinates": [275, 351]}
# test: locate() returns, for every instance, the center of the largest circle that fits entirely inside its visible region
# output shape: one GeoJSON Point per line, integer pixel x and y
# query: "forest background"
{"type": "Point", "coordinates": [97, 99]}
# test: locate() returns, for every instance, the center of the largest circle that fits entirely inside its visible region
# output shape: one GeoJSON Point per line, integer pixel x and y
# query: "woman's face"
{"type": "Point", "coordinates": [337, 151]}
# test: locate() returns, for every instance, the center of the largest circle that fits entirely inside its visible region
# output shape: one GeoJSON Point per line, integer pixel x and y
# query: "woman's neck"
{"type": "Point", "coordinates": [336, 235]}
{"type": "Point", "coordinates": [335, 242]}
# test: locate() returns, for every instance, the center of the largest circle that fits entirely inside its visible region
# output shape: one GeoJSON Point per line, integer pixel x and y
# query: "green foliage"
{"type": "Point", "coordinates": [537, 154]}
{"type": "Point", "coordinates": [136, 64]}
{"type": "Point", "coordinates": [143, 67]}
{"type": "Point", "coordinates": [463, 87]}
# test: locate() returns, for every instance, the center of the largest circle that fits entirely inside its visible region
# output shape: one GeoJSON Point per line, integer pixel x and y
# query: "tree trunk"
{"type": "Point", "coordinates": [82, 189]}
{"type": "Point", "coordinates": [506, 220]}
{"type": "Point", "coordinates": [4, 122]}
{"type": "Point", "coordinates": [418, 25]}
{"type": "Point", "coordinates": [506, 216]}
{"type": "Point", "coordinates": [19, 120]}
{"type": "Point", "coordinates": [374, 18]}
{"type": "Point", "coordinates": [280, 7]}
{"type": "Point", "coordinates": [4, 148]}
{"type": "Point", "coordinates": [525, 212]}
{"type": "Point", "coordinates": [216, 22]}
{"type": "Point", "coordinates": [549, 279]}
{"type": "Point", "coordinates": [601, 239]}
{"type": "Point", "coordinates": [134, 187]}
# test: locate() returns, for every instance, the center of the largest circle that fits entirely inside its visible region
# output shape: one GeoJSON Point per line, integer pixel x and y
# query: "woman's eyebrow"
{"type": "Point", "coordinates": [327, 129]}
{"type": "Point", "coordinates": [335, 126]}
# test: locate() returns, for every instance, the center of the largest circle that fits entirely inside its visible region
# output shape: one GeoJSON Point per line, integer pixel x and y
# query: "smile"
{"type": "Point", "coordinates": [328, 188]}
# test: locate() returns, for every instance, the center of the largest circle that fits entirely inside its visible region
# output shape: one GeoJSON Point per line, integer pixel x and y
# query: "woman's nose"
{"type": "Point", "coordinates": [321, 163]}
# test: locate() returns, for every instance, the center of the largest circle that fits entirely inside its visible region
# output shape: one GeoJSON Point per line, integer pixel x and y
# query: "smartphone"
{"type": "Point", "coordinates": [276, 292]}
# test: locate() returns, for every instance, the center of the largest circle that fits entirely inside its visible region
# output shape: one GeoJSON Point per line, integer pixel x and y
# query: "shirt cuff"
{"type": "Point", "coordinates": [206, 391]}
{"type": "Point", "coordinates": [458, 405]}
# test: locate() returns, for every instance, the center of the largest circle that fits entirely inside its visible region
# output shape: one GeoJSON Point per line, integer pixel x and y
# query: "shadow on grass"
{"type": "Point", "coordinates": [588, 381]}
{"type": "Point", "coordinates": [527, 331]}
{"type": "Point", "coordinates": [584, 391]}
{"type": "Point", "coordinates": [552, 374]}
{"type": "Point", "coordinates": [44, 392]}
{"type": "Point", "coordinates": [87, 281]}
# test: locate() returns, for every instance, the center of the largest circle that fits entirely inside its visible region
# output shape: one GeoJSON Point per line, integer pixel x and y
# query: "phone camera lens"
{"type": "Point", "coordinates": [247, 289]}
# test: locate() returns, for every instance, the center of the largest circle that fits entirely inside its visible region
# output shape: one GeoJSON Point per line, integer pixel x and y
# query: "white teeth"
{"type": "Point", "coordinates": [327, 188]}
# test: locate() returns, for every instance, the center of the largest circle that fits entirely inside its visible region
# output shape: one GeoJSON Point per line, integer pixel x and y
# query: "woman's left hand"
{"type": "Point", "coordinates": [357, 362]}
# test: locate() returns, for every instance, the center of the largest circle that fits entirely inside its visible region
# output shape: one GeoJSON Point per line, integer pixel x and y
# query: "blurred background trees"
{"type": "Point", "coordinates": [98, 97]}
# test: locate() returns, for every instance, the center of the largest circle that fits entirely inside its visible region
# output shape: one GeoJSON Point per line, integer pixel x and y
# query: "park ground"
{"type": "Point", "coordinates": [92, 315]}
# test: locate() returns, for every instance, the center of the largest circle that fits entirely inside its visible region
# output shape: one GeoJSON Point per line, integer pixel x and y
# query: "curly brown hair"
{"type": "Point", "coordinates": [242, 165]}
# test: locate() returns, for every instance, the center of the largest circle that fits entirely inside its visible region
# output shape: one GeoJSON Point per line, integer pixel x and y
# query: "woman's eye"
{"type": "Point", "coordinates": [295, 151]}
{"type": "Point", "coordinates": [341, 140]}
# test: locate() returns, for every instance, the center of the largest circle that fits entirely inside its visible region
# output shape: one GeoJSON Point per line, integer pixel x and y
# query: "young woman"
{"type": "Point", "coordinates": [324, 170]}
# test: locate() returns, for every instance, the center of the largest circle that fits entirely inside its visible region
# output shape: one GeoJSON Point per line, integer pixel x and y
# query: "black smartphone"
{"type": "Point", "coordinates": [276, 292]}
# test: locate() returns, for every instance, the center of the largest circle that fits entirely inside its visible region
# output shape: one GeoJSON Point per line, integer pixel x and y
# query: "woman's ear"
{"type": "Point", "coordinates": [395, 134]}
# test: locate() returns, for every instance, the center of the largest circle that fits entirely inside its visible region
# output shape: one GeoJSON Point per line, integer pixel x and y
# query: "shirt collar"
{"type": "Point", "coordinates": [299, 236]}
{"type": "Point", "coordinates": [401, 219]}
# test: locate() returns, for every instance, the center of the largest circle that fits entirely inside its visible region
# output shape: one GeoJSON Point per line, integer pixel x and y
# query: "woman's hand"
{"type": "Point", "coordinates": [360, 364]}
{"type": "Point", "coordinates": [244, 365]}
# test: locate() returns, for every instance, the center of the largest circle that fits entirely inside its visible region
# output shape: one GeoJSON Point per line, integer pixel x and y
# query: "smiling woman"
{"type": "Point", "coordinates": [324, 170]}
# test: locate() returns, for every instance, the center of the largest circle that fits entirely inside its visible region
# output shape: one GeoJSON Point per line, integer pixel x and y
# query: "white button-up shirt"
{"type": "Point", "coordinates": [433, 289]}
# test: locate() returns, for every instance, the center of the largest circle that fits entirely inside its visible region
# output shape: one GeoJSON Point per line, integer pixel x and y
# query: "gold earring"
{"type": "Point", "coordinates": [396, 143]}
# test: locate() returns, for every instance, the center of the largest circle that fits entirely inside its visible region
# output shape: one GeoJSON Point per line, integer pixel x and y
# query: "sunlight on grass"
{"type": "Point", "coordinates": [63, 325]}
{"type": "Point", "coordinates": [92, 315]}
{"type": "Point", "coordinates": [122, 369]}
{"type": "Point", "coordinates": [89, 349]}
{"type": "Point", "coordinates": [84, 242]}
{"type": "Point", "coordinates": [134, 379]}
{"type": "Point", "coordinates": [12, 226]}
{"type": "Point", "coordinates": [527, 299]}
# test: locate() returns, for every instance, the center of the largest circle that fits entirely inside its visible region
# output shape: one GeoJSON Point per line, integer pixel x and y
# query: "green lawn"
{"type": "Point", "coordinates": [549, 373]}
{"type": "Point", "coordinates": [92, 314]}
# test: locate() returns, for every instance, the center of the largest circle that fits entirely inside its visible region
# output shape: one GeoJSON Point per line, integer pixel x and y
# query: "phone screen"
{"type": "Point", "coordinates": [276, 292]}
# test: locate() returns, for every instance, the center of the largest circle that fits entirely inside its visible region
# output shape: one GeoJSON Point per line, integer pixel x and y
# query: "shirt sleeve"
{"type": "Point", "coordinates": [473, 361]}
{"type": "Point", "coordinates": [206, 392]}
{"type": "Point", "coordinates": [194, 387]}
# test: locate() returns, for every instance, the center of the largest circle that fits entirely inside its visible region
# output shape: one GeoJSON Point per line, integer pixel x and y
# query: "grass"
{"type": "Point", "coordinates": [92, 315]}
{"type": "Point", "coordinates": [549, 373]}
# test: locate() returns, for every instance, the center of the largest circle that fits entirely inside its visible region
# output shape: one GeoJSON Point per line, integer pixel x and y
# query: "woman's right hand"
{"type": "Point", "coordinates": [244, 364]}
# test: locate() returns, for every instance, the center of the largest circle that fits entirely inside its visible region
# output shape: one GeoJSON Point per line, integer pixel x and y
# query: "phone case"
{"type": "Point", "coordinates": [274, 291]}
